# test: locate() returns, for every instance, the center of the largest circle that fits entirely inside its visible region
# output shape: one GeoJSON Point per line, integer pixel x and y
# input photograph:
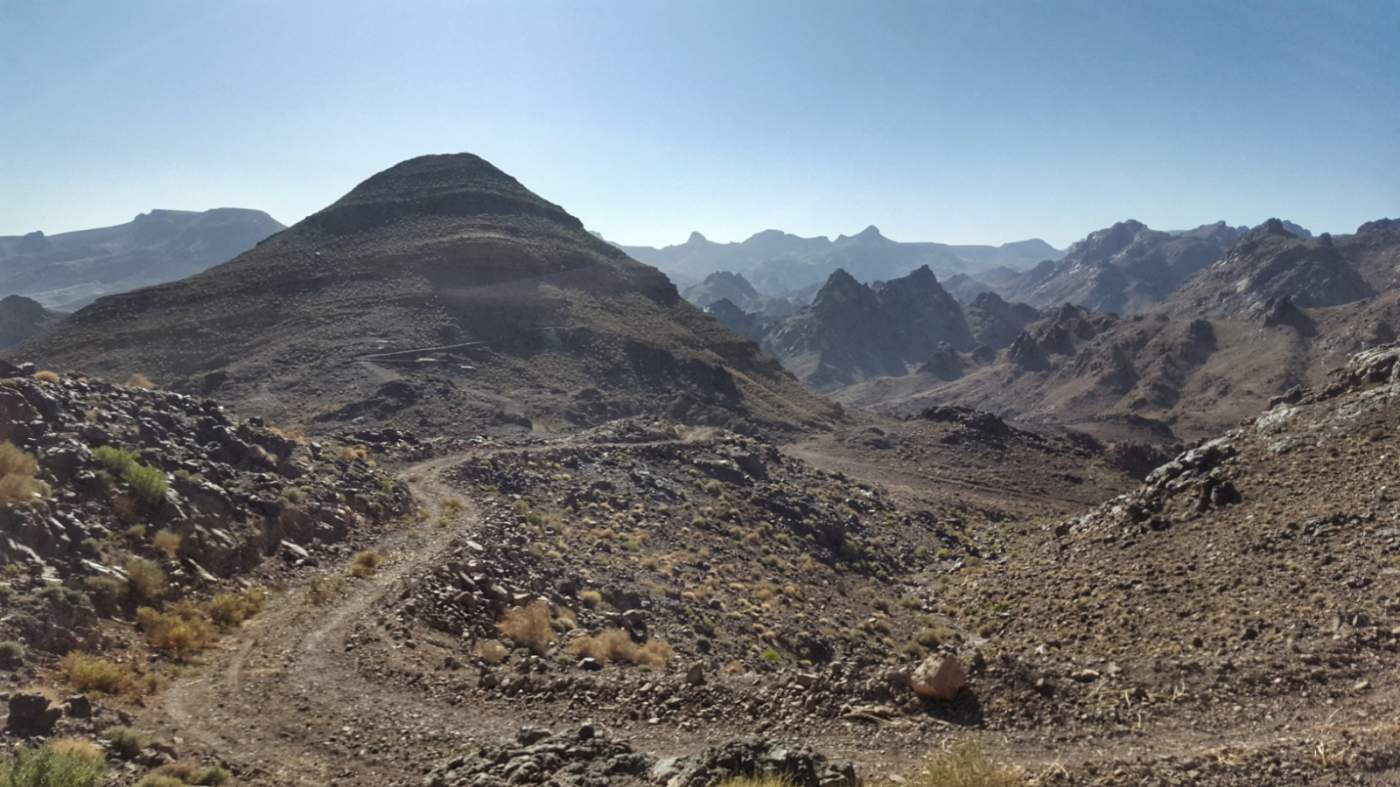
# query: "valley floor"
{"type": "Point", "coordinates": [336, 685]}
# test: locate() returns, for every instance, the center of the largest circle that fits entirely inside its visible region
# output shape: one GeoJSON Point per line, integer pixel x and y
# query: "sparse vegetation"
{"type": "Point", "coordinates": [530, 626]}
{"type": "Point", "coordinates": [590, 598]}
{"type": "Point", "coordinates": [86, 672]}
{"type": "Point", "coordinates": [62, 763]}
{"type": "Point", "coordinates": [11, 653]}
{"type": "Point", "coordinates": [757, 781]}
{"type": "Point", "coordinates": [323, 590]}
{"type": "Point", "coordinates": [491, 651]}
{"type": "Point", "coordinates": [45, 375]}
{"type": "Point", "coordinates": [149, 484]}
{"type": "Point", "coordinates": [17, 481]}
{"type": "Point", "coordinates": [229, 610]}
{"type": "Point", "coordinates": [145, 581]}
{"type": "Point", "coordinates": [139, 380]}
{"type": "Point", "coordinates": [167, 542]}
{"type": "Point", "coordinates": [114, 459]}
{"type": "Point", "coordinates": [366, 563]}
{"type": "Point", "coordinates": [189, 773]}
{"type": "Point", "coordinates": [181, 632]}
{"type": "Point", "coordinates": [160, 780]}
{"type": "Point", "coordinates": [616, 645]}
{"type": "Point", "coordinates": [125, 741]}
{"type": "Point", "coordinates": [965, 764]}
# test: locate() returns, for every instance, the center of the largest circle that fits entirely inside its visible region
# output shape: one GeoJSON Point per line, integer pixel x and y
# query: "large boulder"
{"type": "Point", "coordinates": [31, 714]}
{"type": "Point", "coordinates": [938, 678]}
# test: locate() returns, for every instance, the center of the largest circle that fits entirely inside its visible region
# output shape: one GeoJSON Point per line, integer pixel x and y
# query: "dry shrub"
{"type": "Point", "coordinates": [590, 598]}
{"type": "Point", "coordinates": [167, 542]}
{"type": "Point", "coordinates": [182, 632]}
{"type": "Point", "coordinates": [323, 590]}
{"type": "Point", "coordinates": [354, 453]}
{"type": "Point", "coordinates": [616, 645]}
{"type": "Point", "coordinates": [491, 651]}
{"type": "Point", "coordinates": [44, 375]}
{"type": "Point", "coordinates": [366, 563]}
{"type": "Point", "coordinates": [125, 741]}
{"type": "Point", "coordinates": [229, 610]}
{"type": "Point", "coordinates": [17, 481]}
{"type": "Point", "coordinates": [89, 673]}
{"type": "Point", "coordinates": [159, 780]}
{"type": "Point", "coordinates": [965, 764]}
{"type": "Point", "coordinates": [145, 581]}
{"type": "Point", "coordinates": [530, 625]}
{"type": "Point", "coordinates": [139, 380]}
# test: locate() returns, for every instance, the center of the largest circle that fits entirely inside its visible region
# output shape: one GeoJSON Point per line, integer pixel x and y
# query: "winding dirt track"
{"type": "Point", "coordinates": [275, 705]}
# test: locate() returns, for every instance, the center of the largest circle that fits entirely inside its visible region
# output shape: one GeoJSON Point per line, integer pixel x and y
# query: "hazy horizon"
{"type": "Point", "coordinates": [957, 123]}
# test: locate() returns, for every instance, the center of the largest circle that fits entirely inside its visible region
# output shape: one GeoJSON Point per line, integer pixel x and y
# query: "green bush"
{"type": "Point", "coordinates": [115, 459]}
{"type": "Point", "coordinates": [125, 741]}
{"type": "Point", "coordinates": [59, 764]}
{"type": "Point", "coordinates": [147, 483]}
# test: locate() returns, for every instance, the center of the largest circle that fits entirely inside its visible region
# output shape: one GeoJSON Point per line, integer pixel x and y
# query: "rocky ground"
{"type": "Point", "coordinates": [643, 603]}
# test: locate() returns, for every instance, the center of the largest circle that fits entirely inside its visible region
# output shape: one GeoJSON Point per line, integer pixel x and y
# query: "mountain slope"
{"type": "Point", "coordinates": [439, 292]}
{"type": "Point", "coordinates": [1269, 264]}
{"type": "Point", "coordinates": [22, 318]}
{"type": "Point", "coordinates": [69, 270]}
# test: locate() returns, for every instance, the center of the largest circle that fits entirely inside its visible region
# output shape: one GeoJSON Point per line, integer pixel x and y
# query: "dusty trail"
{"type": "Point", "coordinates": [286, 704]}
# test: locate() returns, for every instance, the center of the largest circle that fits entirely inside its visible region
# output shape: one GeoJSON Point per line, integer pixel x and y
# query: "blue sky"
{"type": "Point", "coordinates": [960, 122]}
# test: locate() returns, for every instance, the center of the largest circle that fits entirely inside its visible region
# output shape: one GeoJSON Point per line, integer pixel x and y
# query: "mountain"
{"type": "Point", "coordinates": [1267, 265]}
{"type": "Point", "coordinates": [1127, 268]}
{"type": "Point", "coordinates": [778, 263]}
{"type": "Point", "coordinates": [22, 318]}
{"type": "Point", "coordinates": [994, 322]}
{"type": "Point", "coordinates": [71, 269]}
{"type": "Point", "coordinates": [724, 285]}
{"type": "Point", "coordinates": [1374, 250]}
{"type": "Point", "coordinates": [437, 293]}
{"type": "Point", "coordinates": [853, 331]}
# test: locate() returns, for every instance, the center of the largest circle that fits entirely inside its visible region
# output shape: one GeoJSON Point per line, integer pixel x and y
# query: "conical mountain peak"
{"type": "Point", "coordinates": [455, 185]}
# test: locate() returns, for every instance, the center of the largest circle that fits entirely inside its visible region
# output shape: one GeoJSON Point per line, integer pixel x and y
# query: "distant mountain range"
{"type": "Point", "coordinates": [71, 269]}
{"type": "Point", "coordinates": [1134, 332]}
{"type": "Point", "coordinates": [778, 263]}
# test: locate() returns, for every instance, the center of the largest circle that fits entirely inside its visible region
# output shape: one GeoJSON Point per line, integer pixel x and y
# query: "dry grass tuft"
{"type": "Point", "coordinates": [145, 581]}
{"type": "Point", "coordinates": [44, 375]}
{"type": "Point", "coordinates": [366, 563]}
{"type": "Point", "coordinates": [491, 651]}
{"type": "Point", "coordinates": [965, 764]}
{"type": "Point", "coordinates": [139, 380]}
{"type": "Point", "coordinates": [182, 632]}
{"type": "Point", "coordinates": [17, 481]}
{"type": "Point", "coordinates": [89, 673]}
{"type": "Point", "coordinates": [167, 542]}
{"type": "Point", "coordinates": [530, 625]}
{"type": "Point", "coordinates": [616, 645]}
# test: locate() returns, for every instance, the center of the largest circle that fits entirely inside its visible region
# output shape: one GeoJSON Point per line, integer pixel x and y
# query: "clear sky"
{"type": "Point", "coordinates": [954, 121]}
